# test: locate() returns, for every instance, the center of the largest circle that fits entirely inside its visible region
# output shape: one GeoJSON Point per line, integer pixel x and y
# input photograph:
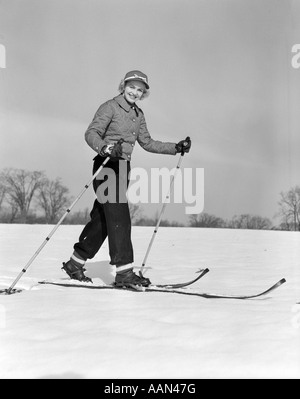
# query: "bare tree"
{"type": "Point", "coordinates": [53, 198]}
{"type": "Point", "coordinates": [246, 221]}
{"type": "Point", "coordinates": [79, 217]}
{"type": "Point", "coordinates": [206, 220]}
{"type": "Point", "coordinates": [20, 187]}
{"type": "Point", "coordinates": [2, 191]}
{"type": "Point", "coordinates": [290, 208]}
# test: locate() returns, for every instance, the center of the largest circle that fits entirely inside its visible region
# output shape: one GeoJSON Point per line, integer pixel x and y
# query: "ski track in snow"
{"type": "Point", "coordinates": [56, 332]}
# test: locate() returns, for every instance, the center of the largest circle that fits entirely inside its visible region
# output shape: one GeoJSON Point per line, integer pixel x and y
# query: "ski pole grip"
{"type": "Point", "coordinates": [185, 143]}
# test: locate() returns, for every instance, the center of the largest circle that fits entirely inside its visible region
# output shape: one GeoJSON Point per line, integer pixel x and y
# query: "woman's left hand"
{"type": "Point", "coordinates": [184, 145]}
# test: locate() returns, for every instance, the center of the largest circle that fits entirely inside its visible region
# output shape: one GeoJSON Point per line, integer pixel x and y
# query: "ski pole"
{"type": "Point", "coordinates": [161, 213]}
{"type": "Point", "coordinates": [10, 289]}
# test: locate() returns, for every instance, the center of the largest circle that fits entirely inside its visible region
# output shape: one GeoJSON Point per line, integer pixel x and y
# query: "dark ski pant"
{"type": "Point", "coordinates": [110, 217]}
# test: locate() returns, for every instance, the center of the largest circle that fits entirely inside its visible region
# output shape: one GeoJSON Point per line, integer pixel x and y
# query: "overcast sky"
{"type": "Point", "coordinates": [220, 71]}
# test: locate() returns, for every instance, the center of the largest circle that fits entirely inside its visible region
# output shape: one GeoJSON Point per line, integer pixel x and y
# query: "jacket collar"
{"type": "Point", "coordinates": [124, 104]}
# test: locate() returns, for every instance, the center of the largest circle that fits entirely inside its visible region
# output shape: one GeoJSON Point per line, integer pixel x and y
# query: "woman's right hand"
{"type": "Point", "coordinates": [112, 150]}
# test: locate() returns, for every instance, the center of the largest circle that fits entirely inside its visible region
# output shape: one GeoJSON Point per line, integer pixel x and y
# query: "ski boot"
{"type": "Point", "coordinates": [75, 272]}
{"type": "Point", "coordinates": [128, 279]}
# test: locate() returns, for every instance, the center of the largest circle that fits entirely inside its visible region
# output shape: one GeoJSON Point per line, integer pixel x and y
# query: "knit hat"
{"type": "Point", "coordinates": [137, 75]}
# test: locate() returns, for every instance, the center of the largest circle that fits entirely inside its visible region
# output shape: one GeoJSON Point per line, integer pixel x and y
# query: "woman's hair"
{"type": "Point", "coordinates": [122, 89]}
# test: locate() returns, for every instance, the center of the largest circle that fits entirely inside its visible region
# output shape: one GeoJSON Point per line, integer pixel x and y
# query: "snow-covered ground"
{"type": "Point", "coordinates": [55, 332]}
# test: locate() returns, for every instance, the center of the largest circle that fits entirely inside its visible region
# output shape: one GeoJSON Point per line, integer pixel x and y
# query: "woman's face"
{"type": "Point", "coordinates": [134, 90]}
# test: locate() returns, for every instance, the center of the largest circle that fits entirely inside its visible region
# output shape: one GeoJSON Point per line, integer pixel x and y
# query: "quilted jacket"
{"type": "Point", "coordinates": [116, 119]}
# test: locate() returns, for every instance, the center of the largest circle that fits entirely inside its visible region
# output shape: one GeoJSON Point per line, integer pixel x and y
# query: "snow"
{"type": "Point", "coordinates": [53, 332]}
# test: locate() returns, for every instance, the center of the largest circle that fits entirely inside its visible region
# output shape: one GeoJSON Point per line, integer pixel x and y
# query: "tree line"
{"type": "Point", "coordinates": [31, 197]}
{"type": "Point", "coordinates": [20, 190]}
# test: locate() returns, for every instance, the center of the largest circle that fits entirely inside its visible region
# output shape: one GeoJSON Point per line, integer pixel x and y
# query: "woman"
{"type": "Point", "coordinates": [117, 125]}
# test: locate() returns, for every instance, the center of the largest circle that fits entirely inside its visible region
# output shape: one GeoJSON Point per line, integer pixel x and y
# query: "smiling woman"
{"type": "Point", "coordinates": [117, 125]}
{"type": "Point", "coordinates": [134, 91]}
{"type": "Point", "coordinates": [137, 81]}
